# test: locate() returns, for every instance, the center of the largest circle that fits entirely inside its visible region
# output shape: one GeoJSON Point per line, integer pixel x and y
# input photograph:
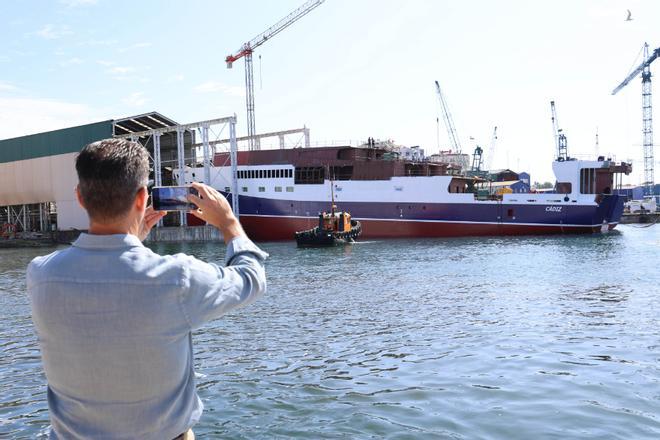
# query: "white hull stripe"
{"type": "Point", "coordinates": [560, 225]}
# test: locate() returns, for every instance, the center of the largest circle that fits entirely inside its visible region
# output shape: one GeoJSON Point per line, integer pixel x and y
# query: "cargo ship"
{"type": "Point", "coordinates": [283, 191]}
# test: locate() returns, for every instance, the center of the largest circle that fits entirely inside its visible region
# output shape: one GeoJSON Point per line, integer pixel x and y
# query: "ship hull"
{"type": "Point", "coordinates": [267, 219]}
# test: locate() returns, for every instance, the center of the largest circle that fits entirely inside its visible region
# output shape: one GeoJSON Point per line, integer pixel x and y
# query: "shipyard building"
{"type": "Point", "coordinates": [38, 176]}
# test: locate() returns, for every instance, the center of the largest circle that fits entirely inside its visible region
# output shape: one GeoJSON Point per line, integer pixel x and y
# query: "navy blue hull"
{"type": "Point", "coordinates": [269, 219]}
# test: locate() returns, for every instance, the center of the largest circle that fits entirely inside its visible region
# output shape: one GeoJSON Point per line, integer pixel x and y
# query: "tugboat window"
{"type": "Point", "coordinates": [278, 189]}
{"type": "Point", "coordinates": [244, 189]}
{"type": "Point", "coordinates": [289, 189]}
{"type": "Point", "coordinates": [262, 189]}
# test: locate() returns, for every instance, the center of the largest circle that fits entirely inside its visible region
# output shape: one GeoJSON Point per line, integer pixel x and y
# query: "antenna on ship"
{"type": "Point", "coordinates": [332, 192]}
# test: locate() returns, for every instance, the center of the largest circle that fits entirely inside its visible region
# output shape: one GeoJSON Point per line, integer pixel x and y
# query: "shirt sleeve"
{"type": "Point", "coordinates": [211, 291]}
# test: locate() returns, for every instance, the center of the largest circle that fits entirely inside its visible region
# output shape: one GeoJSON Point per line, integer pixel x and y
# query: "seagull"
{"type": "Point", "coordinates": [629, 18]}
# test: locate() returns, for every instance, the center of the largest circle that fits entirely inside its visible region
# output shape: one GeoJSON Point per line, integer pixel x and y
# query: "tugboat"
{"type": "Point", "coordinates": [334, 228]}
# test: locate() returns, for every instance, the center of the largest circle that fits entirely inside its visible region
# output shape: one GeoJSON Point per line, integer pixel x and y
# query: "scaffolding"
{"type": "Point", "coordinates": [281, 135]}
{"type": "Point", "coordinates": [28, 218]}
{"type": "Point", "coordinates": [169, 166]}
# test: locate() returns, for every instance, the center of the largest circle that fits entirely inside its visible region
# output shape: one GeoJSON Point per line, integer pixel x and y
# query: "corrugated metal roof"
{"type": "Point", "coordinates": [504, 183]}
{"type": "Point", "coordinates": [50, 143]}
{"type": "Point", "coordinates": [73, 139]}
{"type": "Point", "coordinates": [136, 124]}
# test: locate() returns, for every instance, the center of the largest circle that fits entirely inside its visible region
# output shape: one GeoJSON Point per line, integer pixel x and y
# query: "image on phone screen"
{"type": "Point", "coordinates": [172, 198]}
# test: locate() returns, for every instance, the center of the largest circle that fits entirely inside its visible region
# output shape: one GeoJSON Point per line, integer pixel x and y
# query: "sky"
{"type": "Point", "coordinates": [349, 70]}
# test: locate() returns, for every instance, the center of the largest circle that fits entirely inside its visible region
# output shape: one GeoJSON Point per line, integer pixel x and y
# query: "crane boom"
{"type": "Point", "coordinates": [449, 122]}
{"type": "Point", "coordinates": [250, 46]}
{"type": "Point", "coordinates": [638, 70]}
{"type": "Point", "coordinates": [246, 52]}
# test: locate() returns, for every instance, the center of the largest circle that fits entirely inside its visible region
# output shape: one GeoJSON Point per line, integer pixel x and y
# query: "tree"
{"type": "Point", "coordinates": [544, 185]}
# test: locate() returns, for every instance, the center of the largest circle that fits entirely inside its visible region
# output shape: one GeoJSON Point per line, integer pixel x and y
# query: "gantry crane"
{"type": "Point", "coordinates": [246, 51]}
{"type": "Point", "coordinates": [561, 143]}
{"type": "Point", "coordinates": [647, 114]}
{"type": "Point", "coordinates": [449, 122]}
{"type": "Point", "coordinates": [477, 159]}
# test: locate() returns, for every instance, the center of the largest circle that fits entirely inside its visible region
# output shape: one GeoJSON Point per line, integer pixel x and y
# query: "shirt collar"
{"type": "Point", "coordinates": [114, 241]}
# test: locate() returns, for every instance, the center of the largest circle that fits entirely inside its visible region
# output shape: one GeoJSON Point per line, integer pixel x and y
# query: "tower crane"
{"type": "Point", "coordinates": [561, 143]}
{"type": "Point", "coordinates": [647, 114]}
{"type": "Point", "coordinates": [491, 151]}
{"type": "Point", "coordinates": [246, 51]}
{"type": "Point", "coordinates": [449, 122]}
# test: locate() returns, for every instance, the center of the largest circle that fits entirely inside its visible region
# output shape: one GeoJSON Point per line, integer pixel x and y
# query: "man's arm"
{"type": "Point", "coordinates": [214, 209]}
{"type": "Point", "coordinates": [212, 291]}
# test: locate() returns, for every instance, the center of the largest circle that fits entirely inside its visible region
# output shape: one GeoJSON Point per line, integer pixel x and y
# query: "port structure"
{"type": "Point", "coordinates": [279, 134]}
{"type": "Point", "coordinates": [647, 114]}
{"type": "Point", "coordinates": [154, 135]}
{"type": "Point", "coordinates": [246, 51]}
{"type": "Point", "coordinates": [449, 121]}
{"type": "Point", "coordinates": [477, 159]}
{"type": "Point", "coordinates": [561, 143]}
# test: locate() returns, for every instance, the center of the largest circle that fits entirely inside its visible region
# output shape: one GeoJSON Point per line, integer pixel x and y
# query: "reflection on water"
{"type": "Point", "coordinates": [522, 337]}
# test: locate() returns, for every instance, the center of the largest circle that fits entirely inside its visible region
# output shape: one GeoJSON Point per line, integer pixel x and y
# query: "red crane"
{"type": "Point", "coordinates": [246, 52]}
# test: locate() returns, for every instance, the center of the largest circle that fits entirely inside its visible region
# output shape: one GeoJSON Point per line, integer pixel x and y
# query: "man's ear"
{"type": "Point", "coordinates": [141, 198]}
{"type": "Point", "coordinates": [79, 198]}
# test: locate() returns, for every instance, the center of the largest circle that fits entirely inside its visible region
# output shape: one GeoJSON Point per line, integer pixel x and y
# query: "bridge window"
{"type": "Point", "coordinates": [588, 181]}
{"type": "Point", "coordinates": [310, 175]}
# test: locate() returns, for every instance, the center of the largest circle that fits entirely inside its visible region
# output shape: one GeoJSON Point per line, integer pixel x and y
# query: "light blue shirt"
{"type": "Point", "coordinates": [114, 322]}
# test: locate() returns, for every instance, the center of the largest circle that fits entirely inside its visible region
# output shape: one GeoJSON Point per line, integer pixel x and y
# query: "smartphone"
{"type": "Point", "coordinates": [172, 198]}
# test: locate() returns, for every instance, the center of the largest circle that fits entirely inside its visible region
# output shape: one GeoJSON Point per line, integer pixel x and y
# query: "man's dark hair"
{"type": "Point", "coordinates": [110, 173]}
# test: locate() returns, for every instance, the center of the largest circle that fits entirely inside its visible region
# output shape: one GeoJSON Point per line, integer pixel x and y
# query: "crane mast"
{"type": "Point", "coordinates": [647, 114]}
{"type": "Point", "coordinates": [449, 122]}
{"type": "Point", "coordinates": [561, 143]}
{"type": "Point", "coordinates": [491, 150]}
{"type": "Point", "coordinates": [246, 51]}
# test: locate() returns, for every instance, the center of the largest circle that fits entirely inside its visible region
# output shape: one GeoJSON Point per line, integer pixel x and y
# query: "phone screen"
{"type": "Point", "coordinates": [172, 198]}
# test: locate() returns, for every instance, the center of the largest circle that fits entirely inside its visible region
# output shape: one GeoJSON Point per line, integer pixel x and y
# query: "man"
{"type": "Point", "coordinates": [114, 319]}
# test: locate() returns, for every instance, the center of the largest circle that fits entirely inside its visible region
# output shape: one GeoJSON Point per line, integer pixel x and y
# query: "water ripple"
{"type": "Point", "coordinates": [523, 337]}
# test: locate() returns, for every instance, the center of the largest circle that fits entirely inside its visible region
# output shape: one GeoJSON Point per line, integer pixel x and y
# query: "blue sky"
{"type": "Point", "coordinates": [348, 70]}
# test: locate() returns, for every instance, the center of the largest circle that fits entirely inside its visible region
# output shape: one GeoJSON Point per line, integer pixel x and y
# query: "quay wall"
{"type": "Point", "coordinates": [184, 234]}
{"type": "Point", "coordinates": [649, 217]}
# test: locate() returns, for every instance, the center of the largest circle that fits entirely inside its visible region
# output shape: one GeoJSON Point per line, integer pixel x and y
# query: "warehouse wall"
{"type": "Point", "coordinates": [41, 168]}
{"type": "Point", "coordinates": [44, 179]}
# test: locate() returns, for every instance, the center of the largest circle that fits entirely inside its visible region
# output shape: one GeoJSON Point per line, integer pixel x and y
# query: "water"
{"type": "Point", "coordinates": [506, 338]}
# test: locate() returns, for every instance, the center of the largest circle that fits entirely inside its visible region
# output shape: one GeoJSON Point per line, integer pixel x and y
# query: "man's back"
{"type": "Point", "coordinates": [114, 322]}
